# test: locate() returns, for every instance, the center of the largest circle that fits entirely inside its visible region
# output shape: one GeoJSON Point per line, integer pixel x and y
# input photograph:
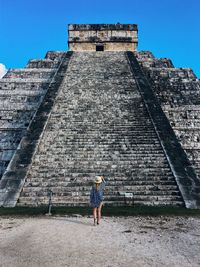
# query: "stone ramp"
{"type": "Point", "coordinates": [99, 125]}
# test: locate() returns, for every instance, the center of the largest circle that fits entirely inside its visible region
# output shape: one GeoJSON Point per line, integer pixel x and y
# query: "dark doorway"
{"type": "Point", "coordinates": [99, 48]}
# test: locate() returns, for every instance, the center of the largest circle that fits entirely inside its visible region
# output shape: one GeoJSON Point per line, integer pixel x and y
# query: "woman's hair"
{"type": "Point", "coordinates": [97, 186]}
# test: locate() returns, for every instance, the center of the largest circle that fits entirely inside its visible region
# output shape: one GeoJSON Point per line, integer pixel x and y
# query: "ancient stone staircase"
{"type": "Point", "coordinates": [99, 125]}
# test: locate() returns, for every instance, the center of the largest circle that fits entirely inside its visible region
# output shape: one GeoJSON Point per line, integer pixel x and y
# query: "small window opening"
{"type": "Point", "coordinates": [99, 48]}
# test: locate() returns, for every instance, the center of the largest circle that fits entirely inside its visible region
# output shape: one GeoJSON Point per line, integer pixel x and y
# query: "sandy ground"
{"type": "Point", "coordinates": [118, 241]}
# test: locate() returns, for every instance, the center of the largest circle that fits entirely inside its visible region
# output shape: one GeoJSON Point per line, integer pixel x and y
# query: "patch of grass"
{"type": "Point", "coordinates": [150, 211]}
{"type": "Point", "coordinates": [106, 211]}
{"type": "Point", "coordinates": [23, 211]}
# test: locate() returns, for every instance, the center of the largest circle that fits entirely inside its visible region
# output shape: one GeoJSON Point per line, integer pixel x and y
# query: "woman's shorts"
{"type": "Point", "coordinates": [97, 205]}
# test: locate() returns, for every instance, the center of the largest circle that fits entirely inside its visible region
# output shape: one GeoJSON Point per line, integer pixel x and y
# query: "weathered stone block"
{"type": "Point", "coordinates": [102, 37]}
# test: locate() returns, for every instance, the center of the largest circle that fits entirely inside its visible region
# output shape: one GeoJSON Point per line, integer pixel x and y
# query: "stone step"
{"type": "Point", "coordinates": [62, 181]}
{"type": "Point", "coordinates": [140, 149]}
{"type": "Point", "coordinates": [122, 146]}
{"type": "Point", "coordinates": [70, 160]}
{"type": "Point", "coordinates": [129, 140]}
{"type": "Point", "coordinates": [125, 151]}
{"type": "Point", "coordinates": [103, 167]}
{"type": "Point", "coordinates": [86, 134]}
{"type": "Point", "coordinates": [136, 142]}
{"type": "Point", "coordinates": [79, 199]}
{"type": "Point", "coordinates": [123, 157]}
{"type": "Point", "coordinates": [108, 203]}
{"type": "Point", "coordinates": [111, 175]}
{"type": "Point", "coordinates": [41, 167]}
{"type": "Point", "coordinates": [100, 156]}
{"type": "Point", "coordinates": [66, 183]}
{"type": "Point", "coordinates": [29, 73]}
{"type": "Point", "coordinates": [82, 181]}
{"type": "Point", "coordinates": [118, 129]}
{"type": "Point", "coordinates": [110, 190]}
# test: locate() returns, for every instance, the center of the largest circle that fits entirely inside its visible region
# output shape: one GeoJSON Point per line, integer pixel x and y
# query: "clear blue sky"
{"type": "Point", "coordinates": [168, 28]}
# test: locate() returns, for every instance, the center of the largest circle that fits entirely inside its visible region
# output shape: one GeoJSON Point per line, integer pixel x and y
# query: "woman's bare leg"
{"type": "Point", "coordinates": [95, 214]}
{"type": "Point", "coordinates": [99, 213]}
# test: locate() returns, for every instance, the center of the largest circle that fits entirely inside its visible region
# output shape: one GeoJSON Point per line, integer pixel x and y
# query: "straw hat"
{"type": "Point", "coordinates": [98, 179]}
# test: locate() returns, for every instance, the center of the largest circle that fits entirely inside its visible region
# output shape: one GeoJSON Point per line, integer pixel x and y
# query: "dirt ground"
{"type": "Point", "coordinates": [117, 241]}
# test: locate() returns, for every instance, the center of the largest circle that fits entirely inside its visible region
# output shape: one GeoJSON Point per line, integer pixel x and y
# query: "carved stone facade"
{"type": "Point", "coordinates": [102, 37]}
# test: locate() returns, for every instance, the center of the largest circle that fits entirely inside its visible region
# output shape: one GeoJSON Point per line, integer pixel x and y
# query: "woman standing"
{"type": "Point", "coordinates": [96, 198]}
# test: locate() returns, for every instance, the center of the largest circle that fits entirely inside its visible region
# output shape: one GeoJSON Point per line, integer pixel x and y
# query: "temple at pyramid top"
{"type": "Point", "coordinates": [102, 37]}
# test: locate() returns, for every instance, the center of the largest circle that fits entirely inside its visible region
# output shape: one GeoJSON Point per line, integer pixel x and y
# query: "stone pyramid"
{"type": "Point", "coordinates": [102, 108]}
